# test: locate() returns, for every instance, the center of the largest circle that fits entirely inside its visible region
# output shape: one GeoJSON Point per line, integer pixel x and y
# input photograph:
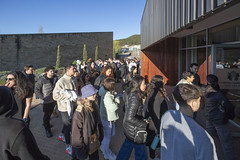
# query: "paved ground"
{"type": "Point", "coordinates": [55, 149]}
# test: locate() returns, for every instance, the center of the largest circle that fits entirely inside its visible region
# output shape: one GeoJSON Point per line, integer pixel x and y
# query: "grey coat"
{"type": "Point", "coordinates": [44, 89]}
{"type": "Point", "coordinates": [183, 139]}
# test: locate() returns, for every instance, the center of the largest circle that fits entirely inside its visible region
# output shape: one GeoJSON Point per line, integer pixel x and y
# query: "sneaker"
{"type": "Point", "coordinates": [101, 148]}
{"type": "Point", "coordinates": [69, 150]}
{"type": "Point", "coordinates": [48, 133]}
{"type": "Point", "coordinates": [61, 138]}
{"type": "Point", "coordinates": [111, 156]}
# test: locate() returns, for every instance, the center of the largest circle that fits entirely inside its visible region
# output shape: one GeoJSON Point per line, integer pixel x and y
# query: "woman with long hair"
{"type": "Point", "coordinates": [216, 105]}
{"type": "Point", "coordinates": [18, 82]}
{"type": "Point", "coordinates": [86, 126]}
{"type": "Point", "coordinates": [134, 125]}
{"type": "Point", "coordinates": [132, 73]}
{"type": "Point", "coordinates": [108, 113]}
{"type": "Point", "coordinates": [86, 79]}
{"type": "Point", "coordinates": [107, 71]}
{"type": "Point", "coordinates": [155, 106]}
{"type": "Point", "coordinates": [92, 71]}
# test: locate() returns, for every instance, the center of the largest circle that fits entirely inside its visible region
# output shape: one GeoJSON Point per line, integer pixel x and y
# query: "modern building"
{"type": "Point", "coordinates": [176, 33]}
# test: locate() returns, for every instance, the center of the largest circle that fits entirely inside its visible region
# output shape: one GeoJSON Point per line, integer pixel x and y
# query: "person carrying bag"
{"type": "Point", "coordinates": [154, 107]}
{"type": "Point", "coordinates": [134, 125]}
{"type": "Point", "coordinates": [87, 130]}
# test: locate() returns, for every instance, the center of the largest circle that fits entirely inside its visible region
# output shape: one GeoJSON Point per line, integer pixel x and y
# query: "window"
{"type": "Point", "coordinates": [219, 2]}
{"type": "Point", "coordinates": [228, 32]}
{"type": "Point", "coordinates": [193, 10]}
{"type": "Point", "coordinates": [207, 5]}
{"type": "Point", "coordinates": [199, 8]}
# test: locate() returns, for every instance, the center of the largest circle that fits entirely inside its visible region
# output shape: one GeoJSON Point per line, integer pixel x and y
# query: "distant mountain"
{"type": "Point", "coordinates": [132, 40]}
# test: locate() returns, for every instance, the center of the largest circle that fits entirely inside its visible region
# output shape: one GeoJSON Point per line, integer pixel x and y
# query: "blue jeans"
{"type": "Point", "coordinates": [223, 132]}
{"type": "Point", "coordinates": [126, 150]}
{"type": "Point", "coordinates": [109, 131]}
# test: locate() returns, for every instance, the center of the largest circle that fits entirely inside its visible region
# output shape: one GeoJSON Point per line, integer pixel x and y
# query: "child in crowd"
{"type": "Point", "coordinates": [86, 126]}
{"type": "Point", "coordinates": [108, 108]}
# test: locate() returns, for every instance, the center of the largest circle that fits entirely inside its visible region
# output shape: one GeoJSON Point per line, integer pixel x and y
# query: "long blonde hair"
{"type": "Point", "coordinates": [84, 103]}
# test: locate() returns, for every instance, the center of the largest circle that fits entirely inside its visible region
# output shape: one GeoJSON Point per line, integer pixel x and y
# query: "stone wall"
{"type": "Point", "coordinates": [40, 50]}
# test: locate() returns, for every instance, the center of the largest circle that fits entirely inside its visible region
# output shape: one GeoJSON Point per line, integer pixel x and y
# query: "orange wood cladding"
{"type": "Point", "coordinates": [203, 68]}
{"type": "Point", "coordinates": [161, 59]}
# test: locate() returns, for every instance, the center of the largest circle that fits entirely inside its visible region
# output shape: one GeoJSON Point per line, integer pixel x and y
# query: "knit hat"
{"type": "Point", "coordinates": [88, 91]}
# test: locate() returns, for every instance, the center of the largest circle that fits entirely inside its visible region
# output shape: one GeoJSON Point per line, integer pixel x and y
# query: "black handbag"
{"type": "Point", "coordinates": [140, 135]}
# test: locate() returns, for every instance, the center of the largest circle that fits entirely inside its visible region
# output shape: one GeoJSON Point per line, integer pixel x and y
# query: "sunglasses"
{"type": "Point", "coordinates": [10, 79]}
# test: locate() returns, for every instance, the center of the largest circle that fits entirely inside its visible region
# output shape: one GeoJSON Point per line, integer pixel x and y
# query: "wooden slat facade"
{"type": "Point", "coordinates": [161, 59]}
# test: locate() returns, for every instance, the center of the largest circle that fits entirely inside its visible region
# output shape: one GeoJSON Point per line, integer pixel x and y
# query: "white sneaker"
{"type": "Point", "coordinates": [101, 149]}
{"type": "Point", "coordinates": [111, 156]}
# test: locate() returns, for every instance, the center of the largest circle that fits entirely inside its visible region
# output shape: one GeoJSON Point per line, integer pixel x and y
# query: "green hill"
{"type": "Point", "coordinates": [132, 40]}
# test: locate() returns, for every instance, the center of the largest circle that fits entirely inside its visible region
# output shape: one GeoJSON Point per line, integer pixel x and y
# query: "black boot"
{"type": "Point", "coordinates": [48, 133]}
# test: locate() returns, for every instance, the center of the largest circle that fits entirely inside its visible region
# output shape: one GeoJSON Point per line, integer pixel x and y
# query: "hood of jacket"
{"type": "Point", "coordinates": [102, 91]}
{"type": "Point", "coordinates": [8, 105]}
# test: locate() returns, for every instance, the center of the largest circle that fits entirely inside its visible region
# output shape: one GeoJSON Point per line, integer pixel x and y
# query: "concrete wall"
{"type": "Point", "coordinates": [40, 50]}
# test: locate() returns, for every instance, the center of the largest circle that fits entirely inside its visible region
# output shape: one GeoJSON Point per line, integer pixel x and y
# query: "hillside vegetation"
{"type": "Point", "coordinates": [132, 40]}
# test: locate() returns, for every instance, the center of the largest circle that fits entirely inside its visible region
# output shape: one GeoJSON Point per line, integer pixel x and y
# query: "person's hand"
{"type": "Point", "coordinates": [148, 120]}
{"type": "Point", "coordinates": [117, 100]}
{"type": "Point", "coordinates": [9, 85]}
{"type": "Point", "coordinates": [26, 121]}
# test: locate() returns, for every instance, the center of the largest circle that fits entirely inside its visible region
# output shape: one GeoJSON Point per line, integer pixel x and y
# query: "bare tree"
{"type": "Point", "coordinates": [40, 29]}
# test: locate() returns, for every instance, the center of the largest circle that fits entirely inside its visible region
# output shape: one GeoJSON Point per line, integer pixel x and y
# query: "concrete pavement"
{"type": "Point", "coordinates": [55, 149]}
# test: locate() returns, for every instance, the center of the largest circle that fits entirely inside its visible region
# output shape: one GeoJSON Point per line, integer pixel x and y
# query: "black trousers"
{"type": "Point", "coordinates": [47, 109]}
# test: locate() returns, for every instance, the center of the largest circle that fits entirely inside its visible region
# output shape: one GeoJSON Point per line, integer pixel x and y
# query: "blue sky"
{"type": "Point", "coordinates": [122, 17]}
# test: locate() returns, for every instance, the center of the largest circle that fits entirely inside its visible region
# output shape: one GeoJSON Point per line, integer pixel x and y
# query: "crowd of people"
{"type": "Point", "coordinates": [88, 105]}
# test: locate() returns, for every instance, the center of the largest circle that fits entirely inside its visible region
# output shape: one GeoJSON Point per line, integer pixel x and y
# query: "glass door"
{"type": "Point", "coordinates": [225, 64]}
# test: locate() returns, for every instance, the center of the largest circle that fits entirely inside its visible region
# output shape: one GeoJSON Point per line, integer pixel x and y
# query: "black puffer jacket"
{"type": "Point", "coordinates": [213, 100]}
{"type": "Point", "coordinates": [133, 119]}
